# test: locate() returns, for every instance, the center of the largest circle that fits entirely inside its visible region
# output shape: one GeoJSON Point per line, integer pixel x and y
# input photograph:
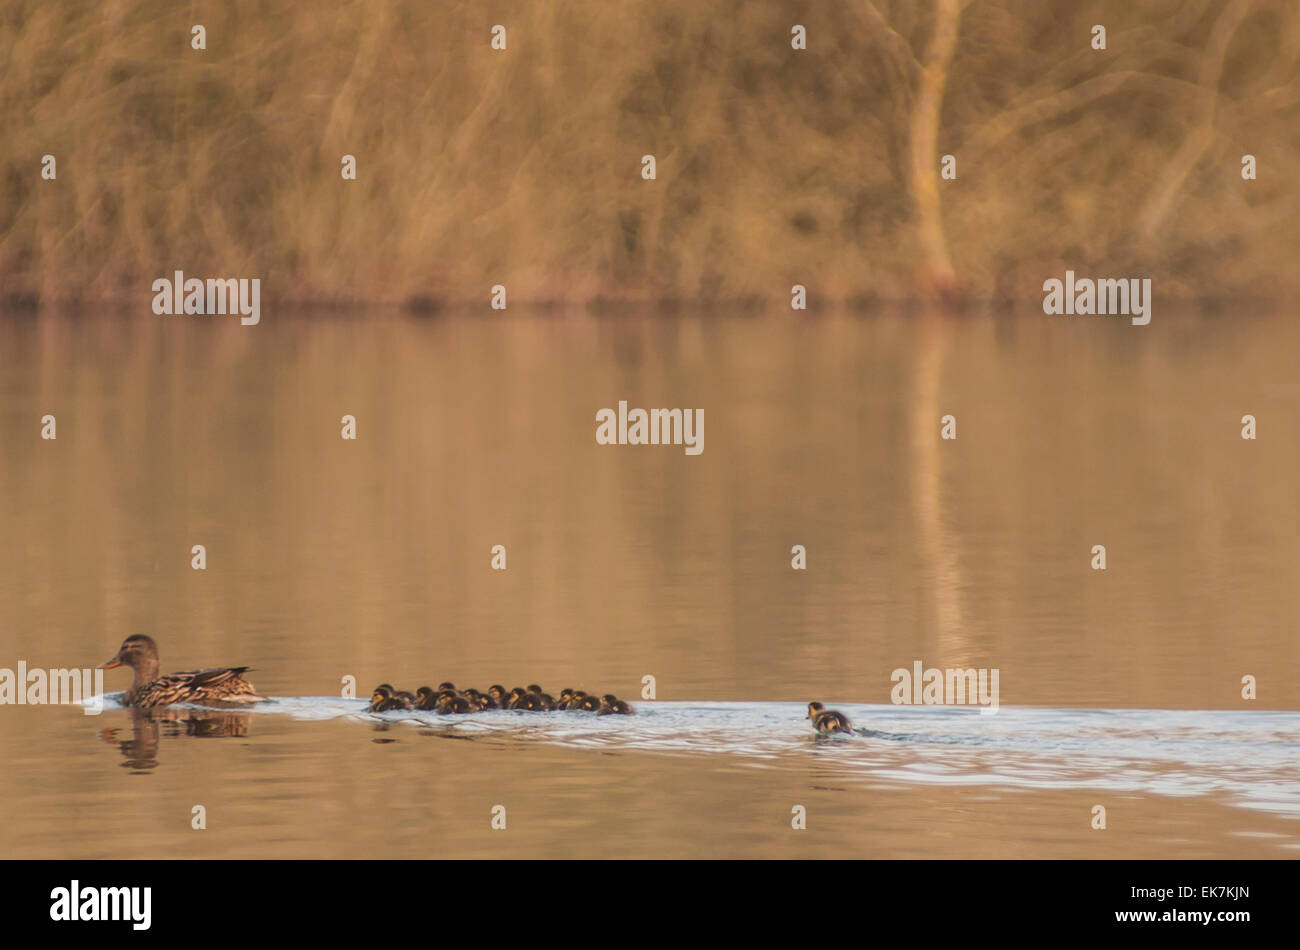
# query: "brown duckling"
{"type": "Point", "coordinates": [405, 698]}
{"type": "Point", "coordinates": [426, 699]}
{"type": "Point", "coordinates": [382, 699]}
{"type": "Point", "coordinates": [611, 705]}
{"type": "Point", "coordinates": [828, 720]}
{"type": "Point", "coordinates": [497, 693]}
{"type": "Point", "coordinates": [453, 704]}
{"type": "Point", "coordinates": [544, 702]}
{"type": "Point", "coordinates": [534, 689]}
{"type": "Point", "coordinates": [587, 703]}
{"type": "Point", "coordinates": [222, 686]}
{"type": "Point", "coordinates": [516, 698]}
{"type": "Point", "coordinates": [566, 695]}
{"type": "Point", "coordinates": [447, 686]}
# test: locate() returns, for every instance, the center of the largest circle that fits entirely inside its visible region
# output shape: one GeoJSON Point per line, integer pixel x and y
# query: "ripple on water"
{"type": "Point", "coordinates": [1250, 758]}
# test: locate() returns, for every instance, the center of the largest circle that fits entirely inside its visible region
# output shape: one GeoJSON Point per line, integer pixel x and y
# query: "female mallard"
{"type": "Point", "coordinates": [221, 686]}
{"type": "Point", "coordinates": [828, 720]}
{"type": "Point", "coordinates": [611, 705]}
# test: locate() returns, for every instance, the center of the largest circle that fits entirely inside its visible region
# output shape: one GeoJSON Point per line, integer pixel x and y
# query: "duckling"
{"type": "Point", "coordinates": [611, 705]}
{"type": "Point", "coordinates": [516, 699]}
{"type": "Point", "coordinates": [447, 686]}
{"type": "Point", "coordinates": [498, 694]}
{"type": "Point", "coordinates": [486, 702]}
{"type": "Point", "coordinates": [544, 702]}
{"type": "Point", "coordinates": [828, 720]}
{"type": "Point", "coordinates": [575, 701]}
{"type": "Point", "coordinates": [587, 703]}
{"type": "Point", "coordinates": [405, 698]}
{"type": "Point", "coordinates": [566, 695]}
{"type": "Point", "coordinates": [453, 704]}
{"type": "Point", "coordinates": [426, 699]}
{"type": "Point", "coordinates": [221, 686]}
{"type": "Point", "coordinates": [535, 689]}
{"type": "Point", "coordinates": [383, 699]}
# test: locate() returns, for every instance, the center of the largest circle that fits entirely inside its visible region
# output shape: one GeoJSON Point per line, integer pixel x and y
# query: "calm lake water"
{"type": "Point", "coordinates": [329, 559]}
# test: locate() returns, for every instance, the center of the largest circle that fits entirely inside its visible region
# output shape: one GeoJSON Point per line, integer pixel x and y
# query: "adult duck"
{"type": "Point", "coordinates": [222, 686]}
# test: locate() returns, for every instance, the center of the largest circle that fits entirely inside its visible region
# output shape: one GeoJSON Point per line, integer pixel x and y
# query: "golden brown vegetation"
{"type": "Point", "coordinates": [522, 167]}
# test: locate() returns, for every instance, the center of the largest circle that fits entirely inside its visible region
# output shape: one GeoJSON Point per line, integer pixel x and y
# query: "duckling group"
{"type": "Point", "coordinates": [447, 700]}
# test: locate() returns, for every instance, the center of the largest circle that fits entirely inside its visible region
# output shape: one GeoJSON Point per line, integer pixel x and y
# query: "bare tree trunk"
{"type": "Point", "coordinates": [937, 271]}
{"type": "Point", "coordinates": [1199, 140]}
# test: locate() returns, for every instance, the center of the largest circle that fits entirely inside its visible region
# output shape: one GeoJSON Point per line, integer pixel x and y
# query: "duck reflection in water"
{"type": "Point", "coordinates": [149, 726]}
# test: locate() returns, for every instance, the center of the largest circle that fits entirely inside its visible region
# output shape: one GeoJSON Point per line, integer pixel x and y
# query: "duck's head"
{"type": "Point", "coordinates": [534, 688]}
{"type": "Point", "coordinates": [472, 694]}
{"type": "Point", "coordinates": [516, 693]}
{"type": "Point", "coordinates": [814, 709]}
{"type": "Point", "coordinates": [450, 686]}
{"type": "Point", "coordinates": [138, 652]}
{"type": "Point", "coordinates": [497, 691]}
{"type": "Point", "coordinates": [382, 692]}
{"type": "Point", "coordinates": [565, 694]}
{"type": "Point", "coordinates": [609, 699]}
{"type": "Point", "coordinates": [423, 693]}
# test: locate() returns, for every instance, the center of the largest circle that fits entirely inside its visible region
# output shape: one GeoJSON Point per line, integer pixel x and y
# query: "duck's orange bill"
{"type": "Point", "coordinates": [111, 664]}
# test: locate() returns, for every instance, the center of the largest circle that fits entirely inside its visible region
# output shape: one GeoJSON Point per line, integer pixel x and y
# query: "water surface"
{"type": "Point", "coordinates": [330, 559]}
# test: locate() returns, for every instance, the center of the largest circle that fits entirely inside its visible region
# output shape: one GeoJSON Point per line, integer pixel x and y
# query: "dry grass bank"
{"type": "Point", "coordinates": [521, 167]}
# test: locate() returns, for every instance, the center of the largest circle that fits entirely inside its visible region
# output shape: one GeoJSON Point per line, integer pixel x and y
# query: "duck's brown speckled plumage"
{"type": "Point", "coordinates": [222, 686]}
{"type": "Point", "coordinates": [828, 720]}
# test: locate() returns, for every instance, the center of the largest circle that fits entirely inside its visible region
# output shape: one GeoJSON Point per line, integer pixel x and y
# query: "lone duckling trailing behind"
{"type": "Point", "coordinates": [222, 686]}
{"type": "Point", "coordinates": [828, 720]}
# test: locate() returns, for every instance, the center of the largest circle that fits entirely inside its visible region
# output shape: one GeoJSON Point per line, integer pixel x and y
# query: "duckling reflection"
{"type": "Point", "coordinates": [148, 726]}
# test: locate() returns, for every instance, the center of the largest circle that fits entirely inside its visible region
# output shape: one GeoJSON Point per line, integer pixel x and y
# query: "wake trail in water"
{"type": "Point", "coordinates": [1252, 759]}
